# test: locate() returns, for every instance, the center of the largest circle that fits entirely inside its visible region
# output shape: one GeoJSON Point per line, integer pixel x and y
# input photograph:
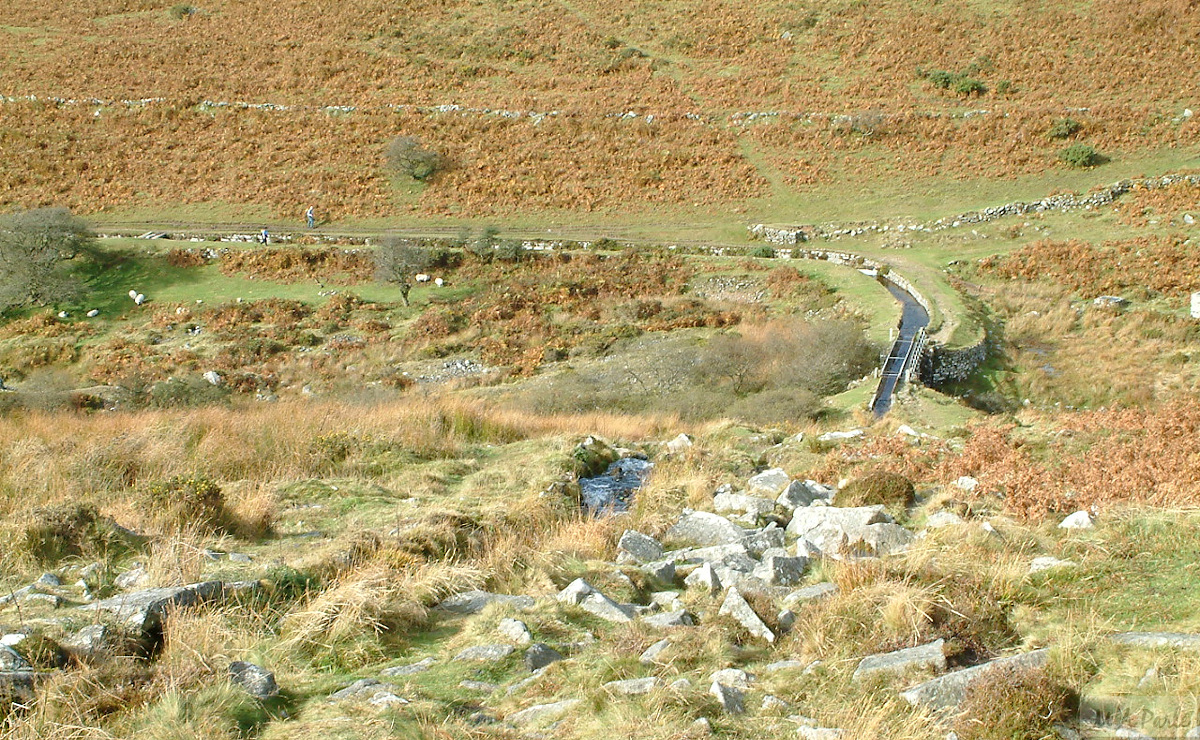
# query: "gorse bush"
{"type": "Point", "coordinates": [186, 502]}
{"type": "Point", "coordinates": [1064, 128]}
{"type": "Point", "coordinates": [1081, 155]}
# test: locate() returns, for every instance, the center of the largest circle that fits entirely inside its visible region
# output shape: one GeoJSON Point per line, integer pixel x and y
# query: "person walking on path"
{"type": "Point", "coordinates": [264, 237]}
{"type": "Point", "coordinates": [308, 216]}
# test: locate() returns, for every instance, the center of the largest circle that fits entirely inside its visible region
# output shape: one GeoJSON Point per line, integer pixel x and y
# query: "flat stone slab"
{"type": "Point", "coordinates": [769, 483]}
{"type": "Point", "coordinates": [633, 686]}
{"type": "Point", "coordinates": [704, 528]}
{"type": "Point", "coordinates": [542, 713]}
{"type": "Point", "coordinates": [1157, 639]}
{"type": "Point", "coordinates": [948, 690]}
{"type": "Point", "coordinates": [142, 611]}
{"type": "Point", "coordinates": [811, 518]}
{"type": "Point", "coordinates": [929, 656]}
{"type": "Point", "coordinates": [473, 602]}
{"type": "Point", "coordinates": [485, 653]}
{"type": "Point", "coordinates": [731, 698]}
{"type": "Point", "coordinates": [810, 593]}
{"type": "Point", "coordinates": [409, 670]}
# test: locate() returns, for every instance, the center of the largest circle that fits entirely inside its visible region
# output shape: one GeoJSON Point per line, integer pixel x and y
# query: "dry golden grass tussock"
{"type": "Point", "coordinates": [372, 601]}
{"type": "Point", "coordinates": [199, 644]}
{"type": "Point", "coordinates": [176, 559]}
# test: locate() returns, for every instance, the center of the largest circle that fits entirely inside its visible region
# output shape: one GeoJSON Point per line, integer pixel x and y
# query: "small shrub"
{"type": "Point", "coordinates": [894, 491]}
{"type": "Point", "coordinates": [70, 530]}
{"type": "Point", "coordinates": [763, 251]}
{"type": "Point", "coordinates": [941, 78]}
{"type": "Point", "coordinates": [184, 502]}
{"type": "Point", "coordinates": [1064, 128]}
{"type": "Point", "coordinates": [1081, 155]}
{"type": "Point", "coordinates": [1004, 87]}
{"type": "Point", "coordinates": [1008, 703]}
{"type": "Point", "coordinates": [43, 653]}
{"type": "Point", "coordinates": [408, 157]}
{"type": "Point", "coordinates": [186, 258]}
{"type": "Point", "coordinates": [180, 11]}
{"type": "Point", "coordinates": [969, 86]}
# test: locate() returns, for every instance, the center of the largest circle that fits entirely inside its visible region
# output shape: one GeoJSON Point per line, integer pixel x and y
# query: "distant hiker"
{"type": "Point", "coordinates": [310, 217]}
{"type": "Point", "coordinates": [263, 236]}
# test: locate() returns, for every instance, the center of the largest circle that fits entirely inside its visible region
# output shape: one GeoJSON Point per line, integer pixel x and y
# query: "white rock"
{"type": "Point", "coordinates": [680, 444]}
{"type": "Point", "coordinates": [735, 605]}
{"type": "Point", "coordinates": [213, 377]}
{"type": "Point", "coordinates": [943, 519]}
{"type": "Point", "coordinates": [768, 484]}
{"type": "Point", "coordinates": [732, 677]}
{"type": "Point", "coordinates": [1079, 520]}
{"type": "Point", "coordinates": [93, 313]}
{"type": "Point", "coordinates": [439, 282]}
{"type": "Point", "coordinates": [515, 630]}
{"type": "Point", "coordinates": [1046, 562]}
{"type": "Point", "coordinates": [840, 436]}
{"type": "Point", "coordinates": [966, 483]}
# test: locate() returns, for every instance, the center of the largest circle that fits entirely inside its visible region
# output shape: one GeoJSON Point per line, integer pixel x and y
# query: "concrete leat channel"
{"type": "Point", "coordinates": [903, 358]}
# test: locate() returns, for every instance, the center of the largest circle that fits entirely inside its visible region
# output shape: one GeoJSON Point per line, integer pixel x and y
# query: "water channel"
{"type": "Point", "coordinates": [913, 318]}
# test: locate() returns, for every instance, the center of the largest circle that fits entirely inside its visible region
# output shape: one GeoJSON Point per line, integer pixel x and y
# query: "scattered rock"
{"type": "Point", "coordinates": [481, 686]}
{"type": "Point", "coordinates": [757, 543]}
{"type": "Point", "coordinates": [11, 660]}
{"type": "Point", "coordinates": [485, 653]}
{"type": "Point", "coordinates": [643, 548]}
{"type": "Point", "coordinates": [213, 377]}
{"type": "Point", "coordinates": [666, 620]}
{"type": "Point", "coordinates": [679, 445]}
{"type": "Point", "coordinates": [735, 605]}
{"type": "Point", "coordinates": [941, 519]}
{"type": "Point", "coordinates": [811, 520]}
{"type": "Point", "coordinates": [819, 733]}
{"type": "Point", "coordinates": [803, 493]}
{"type": "Point", "coordinates": [580, 593]}
{"type": "Point", "coordinates": [409, 670]}
{"type": "Point", "coordinates": [753, 507]}
{"type": "Point", "coordinates": [662, 572]}
{"type": "Point", "coordinates": [966, 483]}
{"type": "Point", "coordinates": [840, 436]}
{"type": "Point", "coordinates": [93, 639]}
{"type": "Point", "coordinates": [256, 680]}
{"type": "Point", "coordinates": [929, 656]}
{"type": "Point", "coordinates": [777, 570]}
{"type": "Point", "coordinates": [356, 689]}
{"type": "Point", "coordinates": [650, 655]}
{"type": "Point", "coordinates": [704, 578]}
{"type": "Point", "coordinates": [1046, 562]}
{"type": "Point", "coordinates": [142, 611]}
{"type": "Point", "coordinates": [731, 699]}
{"type": "Point", "coordinates": [515, 630]}
{"type": "Point", "coordinates": [772, 703]}
{"type": "Point", "coordinates": [948, 690]}
{"type": "Point", "coordinates": [539, 655]}
{"type": "Point", "coordinates": [1157, 639]}
{"type": "Point", "coordinates": [703, 528]}
{"type": "Point", "coordinates": [387, 699]}
{"type": "Point", "coordinates": [633, 686]}
{"type": "Point", "coordinates": [473, 602]}
{"type": "Point", "coordinates": [734, 677]}
{"type": "Point", "coordinates": [48, 580]}
{"type": "Point", "coordinates": [768, 484]}
{"type": "Point", "coordinates": [542, 713]}
{"type": "Point", "coordinates": [131, 578]}
{"type": "Point", "coordinates": [810, 593]}
{"type": "Point", "coordinates": [1078, 520]}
